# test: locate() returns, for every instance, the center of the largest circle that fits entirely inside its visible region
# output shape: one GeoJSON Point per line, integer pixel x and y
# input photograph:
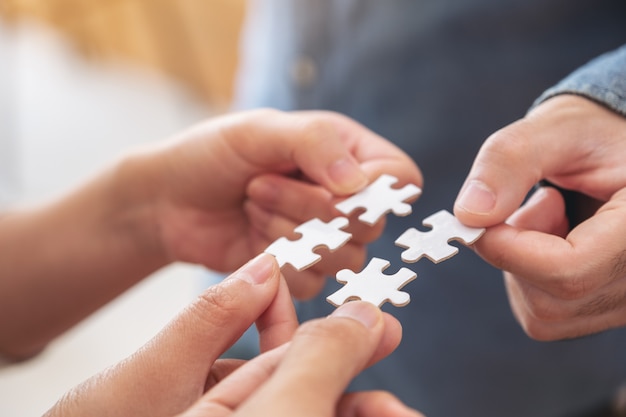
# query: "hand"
{"type": "Point", "coordinates": [228, 188]}
{"type": "Point", "coordinates": [202, 197]}
{"type": "Point", "coordinates": [179, 370]}
{"type": "Point", "coordinates": [561, 283]}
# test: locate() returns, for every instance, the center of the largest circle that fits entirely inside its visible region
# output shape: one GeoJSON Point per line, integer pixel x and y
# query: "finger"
{"type": "Point", "coordinates": [569, 268]}
{"type": "Point", "coordinates": [543, 212]}
{"type": "Point", "coordinates": [291, 198]}
{"type": "Point", "coordinates": [311, 143]}
{"type": "Point", "coordinates": [507, 165]}
{"type": "Point", "coordinates": [279, 322]}
{"type": "Point", "coordinates": [512, 160]}
{"type": "Point", "coordinates": [332, 150]}
{"type": "Point", "coordinates": [307, 283]}
{"type": "Point", "coordinates": [301, 202]}
{"type": "Point", "coordinates": [321, 360]}
{"type": "Point", "coordinates": [233, 392]}
{"type": "Point", "coordinates": [221, 369]}
{"type": "Point", "coordinates": [167, 374]}
{"type": "Point", "coordinates": [373, 404]}
{"type": "Point", "coordinates": [564, 140]}
{"type": "Point", "coordinates": [225, 397]}
{"type": "Point", "coordinates": [270, 226]}
{"type": "Point", "coordinates": [226, 310]}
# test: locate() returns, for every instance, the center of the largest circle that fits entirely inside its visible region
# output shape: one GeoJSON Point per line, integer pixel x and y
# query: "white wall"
{"type": "Point", "coordinates": [8, 162]}
{"type": "Point", "coordinates": [61, 118]}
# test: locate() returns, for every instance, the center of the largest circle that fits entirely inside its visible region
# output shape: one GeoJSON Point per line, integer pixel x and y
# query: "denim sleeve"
{"type": "Point", "coordinates": [602, 80]}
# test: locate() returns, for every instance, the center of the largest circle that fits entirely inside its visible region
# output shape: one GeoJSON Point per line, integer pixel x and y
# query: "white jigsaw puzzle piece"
{"type": "Point", "coordinates": [379, 198]}
{"type": "Point", "coordinates": [434, 243]}
{"type": "Point", "coordinates": [372, 285]}
{"type": "Point", "coordinates": [315, 233]}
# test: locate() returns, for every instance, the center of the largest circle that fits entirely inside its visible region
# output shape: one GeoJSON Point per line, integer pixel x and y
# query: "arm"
{"type": "Point", "coordinates": [188, 200]}
{"type": "Point", "coordinates": [564, 278]}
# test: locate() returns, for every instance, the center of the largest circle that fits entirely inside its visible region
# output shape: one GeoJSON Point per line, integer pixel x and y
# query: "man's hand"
{"type": "Point", "coordinates": [562, 283]}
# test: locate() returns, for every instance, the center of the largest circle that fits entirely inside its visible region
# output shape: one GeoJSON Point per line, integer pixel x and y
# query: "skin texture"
{"type": "Point", "coordinates": [563, 280]}
{"type": "Point", "coordinates": [302, 371]}
{"type": "Point", "coordinates": [199, 197]}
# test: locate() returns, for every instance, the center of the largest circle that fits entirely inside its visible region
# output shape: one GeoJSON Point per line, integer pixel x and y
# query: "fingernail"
{"type": "Point", "coordinates": [366, 313]}
{"type": "Point", "coordinates": [347, 173]}
{"type": "Point", "coordinates": [477, 198]}
{"type": "Point", "coordinates": [257, 270]}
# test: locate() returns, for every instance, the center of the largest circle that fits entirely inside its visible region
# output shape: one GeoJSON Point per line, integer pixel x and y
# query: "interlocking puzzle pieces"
{"type": "Point", "coordinates": [434, 243]}
{"type": "Point", "coordinates": [315, 233]}
{"type": "Point", "coordinates": [379, 198]}
{"type": "Point", "coordinates": [372, 285]}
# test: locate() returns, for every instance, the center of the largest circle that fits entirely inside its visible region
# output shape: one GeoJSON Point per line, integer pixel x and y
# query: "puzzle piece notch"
{"type": "Point", "coordinates": [380, 198]}
{"type": "Point", "coordinates": [434, 243]}
{"type": "Point", "coordinates": [314, 234]}
{"type": "Point", "coordinates": [372, 285]}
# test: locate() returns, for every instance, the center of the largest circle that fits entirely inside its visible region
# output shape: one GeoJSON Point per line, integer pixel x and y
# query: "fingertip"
{"type": "Point", "coordinates": [482, 204]}
{"type": "Point", "coordinates": [258, 270]}
{"type": "Point", "coordinates": [393, 332]}
{"type": "Point", "coordinates": [476, 198]}
{"type": "Point", "coordinates": [346, 176]}
{"type": "Point", "coordinates": [364, 312]}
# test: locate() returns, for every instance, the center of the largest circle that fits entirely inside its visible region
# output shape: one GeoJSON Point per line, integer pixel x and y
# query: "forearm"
{"type": "Point", "coordinates": [61, 261]}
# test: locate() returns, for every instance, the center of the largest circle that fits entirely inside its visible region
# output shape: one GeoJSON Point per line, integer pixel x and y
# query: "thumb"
{"type": "Point", "coordinates": [503, 172]}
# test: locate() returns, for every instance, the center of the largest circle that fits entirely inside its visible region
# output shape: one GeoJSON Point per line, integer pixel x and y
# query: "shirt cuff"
{"type": "Point", "coordinates": [602, 80]}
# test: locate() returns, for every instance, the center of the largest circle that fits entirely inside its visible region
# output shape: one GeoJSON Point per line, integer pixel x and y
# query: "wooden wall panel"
{"type": "Point", "coordinates": [194, 41]}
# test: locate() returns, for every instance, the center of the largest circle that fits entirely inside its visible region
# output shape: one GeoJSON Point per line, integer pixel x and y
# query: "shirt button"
{"type": "Point", "coordinates": [303, 71]}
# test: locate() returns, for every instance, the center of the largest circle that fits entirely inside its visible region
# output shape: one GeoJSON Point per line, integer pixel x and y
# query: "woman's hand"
{"type": "Point", "coordinates": [306, 373]}
{"type": "Point", "coordinates": [223, 191]}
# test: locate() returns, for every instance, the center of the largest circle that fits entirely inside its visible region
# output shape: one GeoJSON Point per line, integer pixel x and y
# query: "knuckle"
{"type": "Point", "coordinates": [216, 304]}
{"type": "Point", "coordinates": [507, 141]}
{"type": "Point", "coordinates": [571, 285]}
{"type": "Point", "coordinates": [316, 130]}
{"type": "Point", "coordinates": [511, 144]}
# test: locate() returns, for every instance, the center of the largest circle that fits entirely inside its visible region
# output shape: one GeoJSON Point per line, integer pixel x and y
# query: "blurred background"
{"type": "Point", "coordinates": [80, 81]}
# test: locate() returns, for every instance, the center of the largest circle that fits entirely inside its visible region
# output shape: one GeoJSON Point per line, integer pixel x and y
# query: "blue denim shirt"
{"type": "Point", "coordinates": [437, 77]}
{"type": "Point", "coordinates": [602, 80]}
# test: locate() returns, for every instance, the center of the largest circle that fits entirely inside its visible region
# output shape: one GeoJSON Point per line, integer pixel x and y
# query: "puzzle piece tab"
{"type": "Point", "coordinates": [315, 233]}
{"type": "Point", "coordinates": [434, 243]}
{"type": "Point", "coordinates": [380, 198]}
{"type": "Point", "coordinates": [373, 285]}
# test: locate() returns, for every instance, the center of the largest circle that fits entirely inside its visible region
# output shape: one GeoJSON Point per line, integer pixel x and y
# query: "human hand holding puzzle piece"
{"type": "Point", "coordinates": [371, 284]}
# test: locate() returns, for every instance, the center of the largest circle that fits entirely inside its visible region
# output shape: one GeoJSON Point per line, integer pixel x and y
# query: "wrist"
{"type": "Point", "coordinates": [133, 194]}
